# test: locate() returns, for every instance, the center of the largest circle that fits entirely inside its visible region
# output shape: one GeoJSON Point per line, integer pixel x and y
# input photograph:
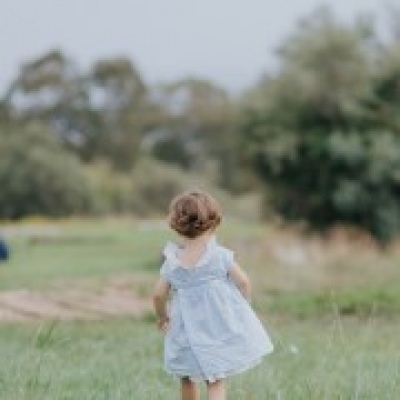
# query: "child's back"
{"type": "Point", "coordinates": [213, 331]}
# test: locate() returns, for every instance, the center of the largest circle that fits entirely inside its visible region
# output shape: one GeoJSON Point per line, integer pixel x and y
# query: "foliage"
{"type": "Point", "coordinates": [154, 185]}
{"type": "Point", "coordinates": [326, 140]}
{"type": "Point", "coordinates": [112, 189]}
{"type": "Point", "coordinates": [319, 136]}
{"type": "Point", "coordinates": [198, 127]}
{"type": "Point", "coordinates": [38, 177]}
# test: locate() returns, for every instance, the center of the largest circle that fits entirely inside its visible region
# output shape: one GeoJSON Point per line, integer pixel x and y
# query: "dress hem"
{"type": "Point", "coordinates": [220, 375]}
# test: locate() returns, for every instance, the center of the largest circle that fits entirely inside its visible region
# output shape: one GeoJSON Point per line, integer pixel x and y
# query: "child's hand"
{"type": "Point", "coordinates": [163, 324]}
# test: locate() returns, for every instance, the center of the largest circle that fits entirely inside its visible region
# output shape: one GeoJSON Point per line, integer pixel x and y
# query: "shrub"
{"type": "Point", "coordinates": [38, 177]}
{"type": "Point", "coordinates": [326, 140]}
{"type": "Point", "coordinates": [154, 184]}
{"type": "Point", "coordinates": [113, 189]}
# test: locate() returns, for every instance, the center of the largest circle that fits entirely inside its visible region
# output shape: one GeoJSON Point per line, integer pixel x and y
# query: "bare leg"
{"type": "Point", "coordinates": [189, 389]}
{"type": "Point", "coordinates": [216, 390]}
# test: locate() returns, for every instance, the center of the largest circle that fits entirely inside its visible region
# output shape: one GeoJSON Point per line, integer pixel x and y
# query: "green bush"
{"type": "Point", "coordinates": [38, 177]}
{"type": "Point", "coordinates": [113, 189]}
{"type": "Point", "coordinates": [154, 184]}
{"type": "Point", "coordinates": [325, 139]}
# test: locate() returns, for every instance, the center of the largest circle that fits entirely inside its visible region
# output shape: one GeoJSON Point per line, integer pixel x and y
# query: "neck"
{"type": "Point", "coordinates": [199, 240]}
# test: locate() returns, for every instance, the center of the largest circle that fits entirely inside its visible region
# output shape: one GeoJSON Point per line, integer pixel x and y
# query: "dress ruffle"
{"type": "Point", "coordinates": [171, 253]}
{"type": "Point", "coordinates": [219, 375]}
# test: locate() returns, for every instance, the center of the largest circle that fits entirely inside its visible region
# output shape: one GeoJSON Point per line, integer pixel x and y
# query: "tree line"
{"type": "Point", "coordinates": [319, 137]}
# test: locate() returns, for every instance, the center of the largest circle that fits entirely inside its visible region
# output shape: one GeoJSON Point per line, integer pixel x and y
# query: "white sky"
{"type": "Point", "coordinates": [228, 41]}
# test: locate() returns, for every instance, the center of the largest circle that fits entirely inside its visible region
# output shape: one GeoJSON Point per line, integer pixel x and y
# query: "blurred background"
{"type": "Point", "coordinates": [287, 112]}
{"type": "Point", "coordinates": [295, 104]}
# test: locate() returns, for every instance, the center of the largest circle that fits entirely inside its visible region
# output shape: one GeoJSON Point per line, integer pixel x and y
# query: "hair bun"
{"type": "Point", "coordinates": [193, 213]}
{"type": "Point", "coordinates": [193, 218]}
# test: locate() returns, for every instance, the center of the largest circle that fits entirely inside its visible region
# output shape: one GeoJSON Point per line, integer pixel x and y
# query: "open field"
{"type": "Point", "coordinates": [74, 300]}
{"type": "Point", "coordinates": [120, 359]}
{"type": "Point", "coordinates": [291, 274]}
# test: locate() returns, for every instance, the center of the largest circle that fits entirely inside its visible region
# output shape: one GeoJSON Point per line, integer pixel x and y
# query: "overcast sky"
{"type": "Point", "coordinates": [229, 41]}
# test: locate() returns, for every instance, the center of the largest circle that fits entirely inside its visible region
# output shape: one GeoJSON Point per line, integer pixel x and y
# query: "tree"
{"type": "Point", "coordinates": [51, 90]}
{"type": "Point", "coordinates": [94, 114]}
{"type": "Point", "coordinates": [198, 127]}
{"type": "Point", "coordinates": [325, 140]}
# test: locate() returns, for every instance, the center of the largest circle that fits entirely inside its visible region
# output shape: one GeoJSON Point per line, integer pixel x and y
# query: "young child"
{"type": "Point", "coordinates": [211, 332]}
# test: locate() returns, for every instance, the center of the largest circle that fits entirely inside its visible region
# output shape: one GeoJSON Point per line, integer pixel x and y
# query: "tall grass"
{"type": "Point", "coordinates": [121, 359]}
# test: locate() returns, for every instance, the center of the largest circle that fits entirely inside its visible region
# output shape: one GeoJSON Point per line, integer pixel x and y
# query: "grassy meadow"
{"type": "Point", "coordinates": [330, 304]}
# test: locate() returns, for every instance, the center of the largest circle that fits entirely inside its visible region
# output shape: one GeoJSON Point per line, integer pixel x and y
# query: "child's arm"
{"type": "Point", "coordinates": [160, 297]}
{"type": "Point", "coordinates": [241, 280]}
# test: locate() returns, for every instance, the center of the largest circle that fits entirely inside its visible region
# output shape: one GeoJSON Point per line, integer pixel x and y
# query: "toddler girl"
{"type": "Point", "coordinates": [211, 332]}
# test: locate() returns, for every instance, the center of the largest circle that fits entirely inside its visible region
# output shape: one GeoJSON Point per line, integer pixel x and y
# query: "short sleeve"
{"type": "Point", "coordinates": [167, 254]}
{"type": "Point", "coordinates": [227, 258]}
{"type": "Point", "coordinates": [164, 271]}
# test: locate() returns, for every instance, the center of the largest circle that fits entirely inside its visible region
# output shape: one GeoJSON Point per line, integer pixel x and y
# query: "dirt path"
{"type": "Point", "coordinates": [71, 304]}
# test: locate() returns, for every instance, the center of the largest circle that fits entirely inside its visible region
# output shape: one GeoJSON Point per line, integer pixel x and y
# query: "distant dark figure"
{"type": "Point", "coordinates": [4, 252]}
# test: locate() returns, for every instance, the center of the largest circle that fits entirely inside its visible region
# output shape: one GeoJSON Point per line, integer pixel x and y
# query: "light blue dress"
{"type": "Point", "coordinates": [213, 333]}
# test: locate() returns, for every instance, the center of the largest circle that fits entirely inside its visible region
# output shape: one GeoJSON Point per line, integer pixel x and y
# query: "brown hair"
{"type": "Point", "coordinates": [193, 213]}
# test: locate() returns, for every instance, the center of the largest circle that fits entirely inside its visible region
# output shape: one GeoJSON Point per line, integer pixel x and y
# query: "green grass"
{"type": "Point", "coordinates": [334, 322]}
{"type": "Point", "coordinates": [91, 249]}
{"type": "Point", "coordinates": [360, 301]}
{"type": "Point", "coordinates": [96, 250]}
{"type": "Point", "coordinates": [121, 359]}
{"type": "Point", "coordinates": [82, 250]}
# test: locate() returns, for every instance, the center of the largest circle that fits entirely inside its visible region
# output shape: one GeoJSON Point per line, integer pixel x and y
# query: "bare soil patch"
{"type": "Point", "coordinates": [72, 303]}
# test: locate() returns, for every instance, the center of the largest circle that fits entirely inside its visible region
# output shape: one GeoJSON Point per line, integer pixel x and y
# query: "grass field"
{"type": "Point", "coordinates": [120, 359]}
{"type": "Point", "coordinates": [332, 309]}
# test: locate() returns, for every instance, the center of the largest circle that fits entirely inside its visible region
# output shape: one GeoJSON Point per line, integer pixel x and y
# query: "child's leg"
{"type": "Point", "coordinates": [216, 390]}
{"type": "Point", "coordinates": [189, 390]}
